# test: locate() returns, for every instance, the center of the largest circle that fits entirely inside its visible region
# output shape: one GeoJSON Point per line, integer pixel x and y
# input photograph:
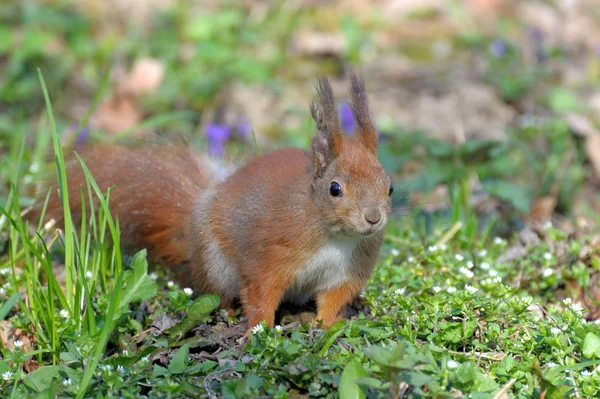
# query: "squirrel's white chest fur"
{"type": "Point", "coordinates": [325, 269]}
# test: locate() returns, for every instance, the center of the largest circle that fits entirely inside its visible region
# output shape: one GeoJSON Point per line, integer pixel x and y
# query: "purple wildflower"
{"type": "Point", "coordinates": [243, 129]}
{"type": "Point", "coordinates": [541, 55]}
{"type": "Point", "coordinates": [347, 118]}
{"type": "Point", "coordinates": [217, 135]}
{"type": "Point", "coordinates": [535, 34]}
{"type": "Point", "coordinates": [498, 48]}
{"type": "Point", "coordinates": [82, 136]}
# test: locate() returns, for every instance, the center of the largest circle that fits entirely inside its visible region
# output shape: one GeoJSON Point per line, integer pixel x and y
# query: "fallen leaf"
{"type": "Point", "coordinates": [117, 114]}
{"type": "Point", "coordinates": [580, 125]}
{"type": "Point", "coordinates": [319, 44]}
{"type": "Point", "coordinates": [145, 76]}
{"type": "Point", "coordinates": [592, 149]}
{"type": "Point", "coordinates": [542, 208]}
{"type": "Point", "coordinates": [162, 322]}
{"type": "Point", "coordinates": [30, 365]}
{"type": "Point", "coordinates": [9, 334]}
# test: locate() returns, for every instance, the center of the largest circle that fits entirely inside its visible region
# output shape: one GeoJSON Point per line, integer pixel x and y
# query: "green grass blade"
{"type": "Point", "coordinates": [103, 338]}
{"type": "Point", "coordinates": [64, 196]}
{"type": "Point", "coordinates": [8, 305]}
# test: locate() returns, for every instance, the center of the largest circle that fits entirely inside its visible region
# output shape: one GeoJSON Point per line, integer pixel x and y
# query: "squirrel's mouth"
{"type": "Point", "coordinates": [364, 232]}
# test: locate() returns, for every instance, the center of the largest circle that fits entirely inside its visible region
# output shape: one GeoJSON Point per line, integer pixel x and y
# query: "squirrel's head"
{"type": "Point", "coordinates": [350, 187]}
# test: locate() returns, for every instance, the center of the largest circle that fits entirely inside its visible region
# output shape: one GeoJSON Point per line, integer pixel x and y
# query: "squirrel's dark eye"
{"type": "Point", "coordinates": [335, 189]}
{"type": "Point", "coordinates": [391, 190]}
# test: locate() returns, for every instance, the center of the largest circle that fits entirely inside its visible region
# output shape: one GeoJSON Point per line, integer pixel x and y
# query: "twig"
{"type": "Point", "coordinates": [450, 233]}
{"type": "Point", "coordinates": [214, 376]}
{"type": "Point", "coordinates": [505, 388]}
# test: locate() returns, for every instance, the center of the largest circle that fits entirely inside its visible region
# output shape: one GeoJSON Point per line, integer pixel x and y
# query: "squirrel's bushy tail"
{"type": "Point", "coordinates": [154, 191]}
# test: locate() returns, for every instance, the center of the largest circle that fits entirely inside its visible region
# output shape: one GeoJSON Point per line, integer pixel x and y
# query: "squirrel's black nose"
{"type": "Point", "coordinates": [372, 215]}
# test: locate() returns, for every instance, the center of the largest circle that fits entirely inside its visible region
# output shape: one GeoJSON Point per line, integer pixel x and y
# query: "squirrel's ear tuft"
{"type": "Point", "coordinates": [367, 133]}
{"type": "Point", "coordinates": [326, 145]}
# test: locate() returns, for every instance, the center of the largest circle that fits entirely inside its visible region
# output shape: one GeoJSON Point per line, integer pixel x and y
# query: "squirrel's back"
{"type": "Point", "coordinates": [154, 191]}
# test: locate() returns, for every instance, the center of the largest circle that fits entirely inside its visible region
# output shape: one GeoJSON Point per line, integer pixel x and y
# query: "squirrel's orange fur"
{"type": "Point", "coordinates": [273, 230]}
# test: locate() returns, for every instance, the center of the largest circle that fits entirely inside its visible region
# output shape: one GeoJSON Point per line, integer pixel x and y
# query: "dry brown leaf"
{"type": "Point", "coordinates": [30, 365]}
{"type": "Point", "coordinates": [9, 334]}
{"type": "Point", "coordinates": [592, 149]}
{"type": "Point", "coordinates": [542, 209]}
{"type": "Point", "coordinates": [145, 76]}
{"type": "Point", "coordinates": [581, 125]}
{"type": "Point", "coordinates": [117, 114]}
{"type": "Point", "coordinates": [319, 44]}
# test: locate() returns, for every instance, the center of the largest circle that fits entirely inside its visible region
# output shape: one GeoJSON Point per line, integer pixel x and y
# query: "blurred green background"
{"type": "Point", "coordinates": [492, 104]}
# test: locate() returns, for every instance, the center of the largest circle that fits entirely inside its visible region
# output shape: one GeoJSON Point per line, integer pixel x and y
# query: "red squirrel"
{"type": "Point", "coordinates": [289, 225]}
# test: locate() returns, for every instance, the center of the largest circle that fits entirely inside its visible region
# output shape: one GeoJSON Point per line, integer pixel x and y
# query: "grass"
{"type": "Point", "coordinates": [461, 303]}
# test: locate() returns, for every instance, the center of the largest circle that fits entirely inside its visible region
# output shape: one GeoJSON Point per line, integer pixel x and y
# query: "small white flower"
{"type": "Point", "coordinates": [470, 264]}
{"type": "Point", "coordinates": [4, 271]}
{"type": "Point", "coordinates": [547, 272]}
{"type": "Point", "coordinates": [451, 290]}
{"type": "Point", "coordinates": [258, 329]}
{"type": "Point", "coordinates": [7, 376]}
{"type": "Point", "coordinates": [394, 252]}
{"type": "Point", "coordinates": [482, 253]}
{"type": "Point", "coordinates": [443, 247]}
{"type": "Point", "coordinates": [400, 291]}
{"type": "Point", "coordinates": [188, 291]}
{"type": "Point", "coordinates": [550, 365]}
{"type": "Point", "coordinates": [555, 330]}
{"type": "Point", "coordinates": [67, 382]}
{"type": "Point", "coordinates": [497, 279]}
{"type": "Point", "coordinates": [120, 369]}
{"type": "Point", "coordinates": [452, 364]}
{"type": "Point", "coordinates": [410, 259]}
{"type": "Point", "coordinates": [88, 274]}
{"type": "Point", "coordinates": [106, 367]}
{"type": "Point", "coordinates": [472, 290]}
{"type": "Point", "coordinates": [576, 307]}
{"type": "Point", "coordinates": [484, 266]}
{"type": "Point", "coordinates": [547, 225]}
{"type": "Point", "coordinates": [437, 289]}
{"type": "Point", "coordinates": [18, 343]}
{"type": "Point", "coordinates": [170, 284]}
{"type": "Point", "coordinates": [567, 301]}
{"type": "Point", "coordinates": [466, 272]}
{"type": "Point", "coordinates": [493, 273]}
{"type": "Point", "coordinates": [498, 240]}
{"type": "Point", "coordinates": [278, 329]}
{"type": "Point", "coordinates": [432, 248]}
{"type": "Point", "coordinates": [547, 256]}
{"type": "Point", "coordinates": [153, 276]}
{"type": "Point", "coordinates": [459, 257]}
{"type": "Point", "coordinates": [2, 291]}
{"type": "Point", "coordinates": [125, 352]}
{"type": "Point", "coordinates": [585, 373]}
{"type": "Point", "coordinates": [64, 313]}
{"type": "Point", "coordinates": [145, 359]}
